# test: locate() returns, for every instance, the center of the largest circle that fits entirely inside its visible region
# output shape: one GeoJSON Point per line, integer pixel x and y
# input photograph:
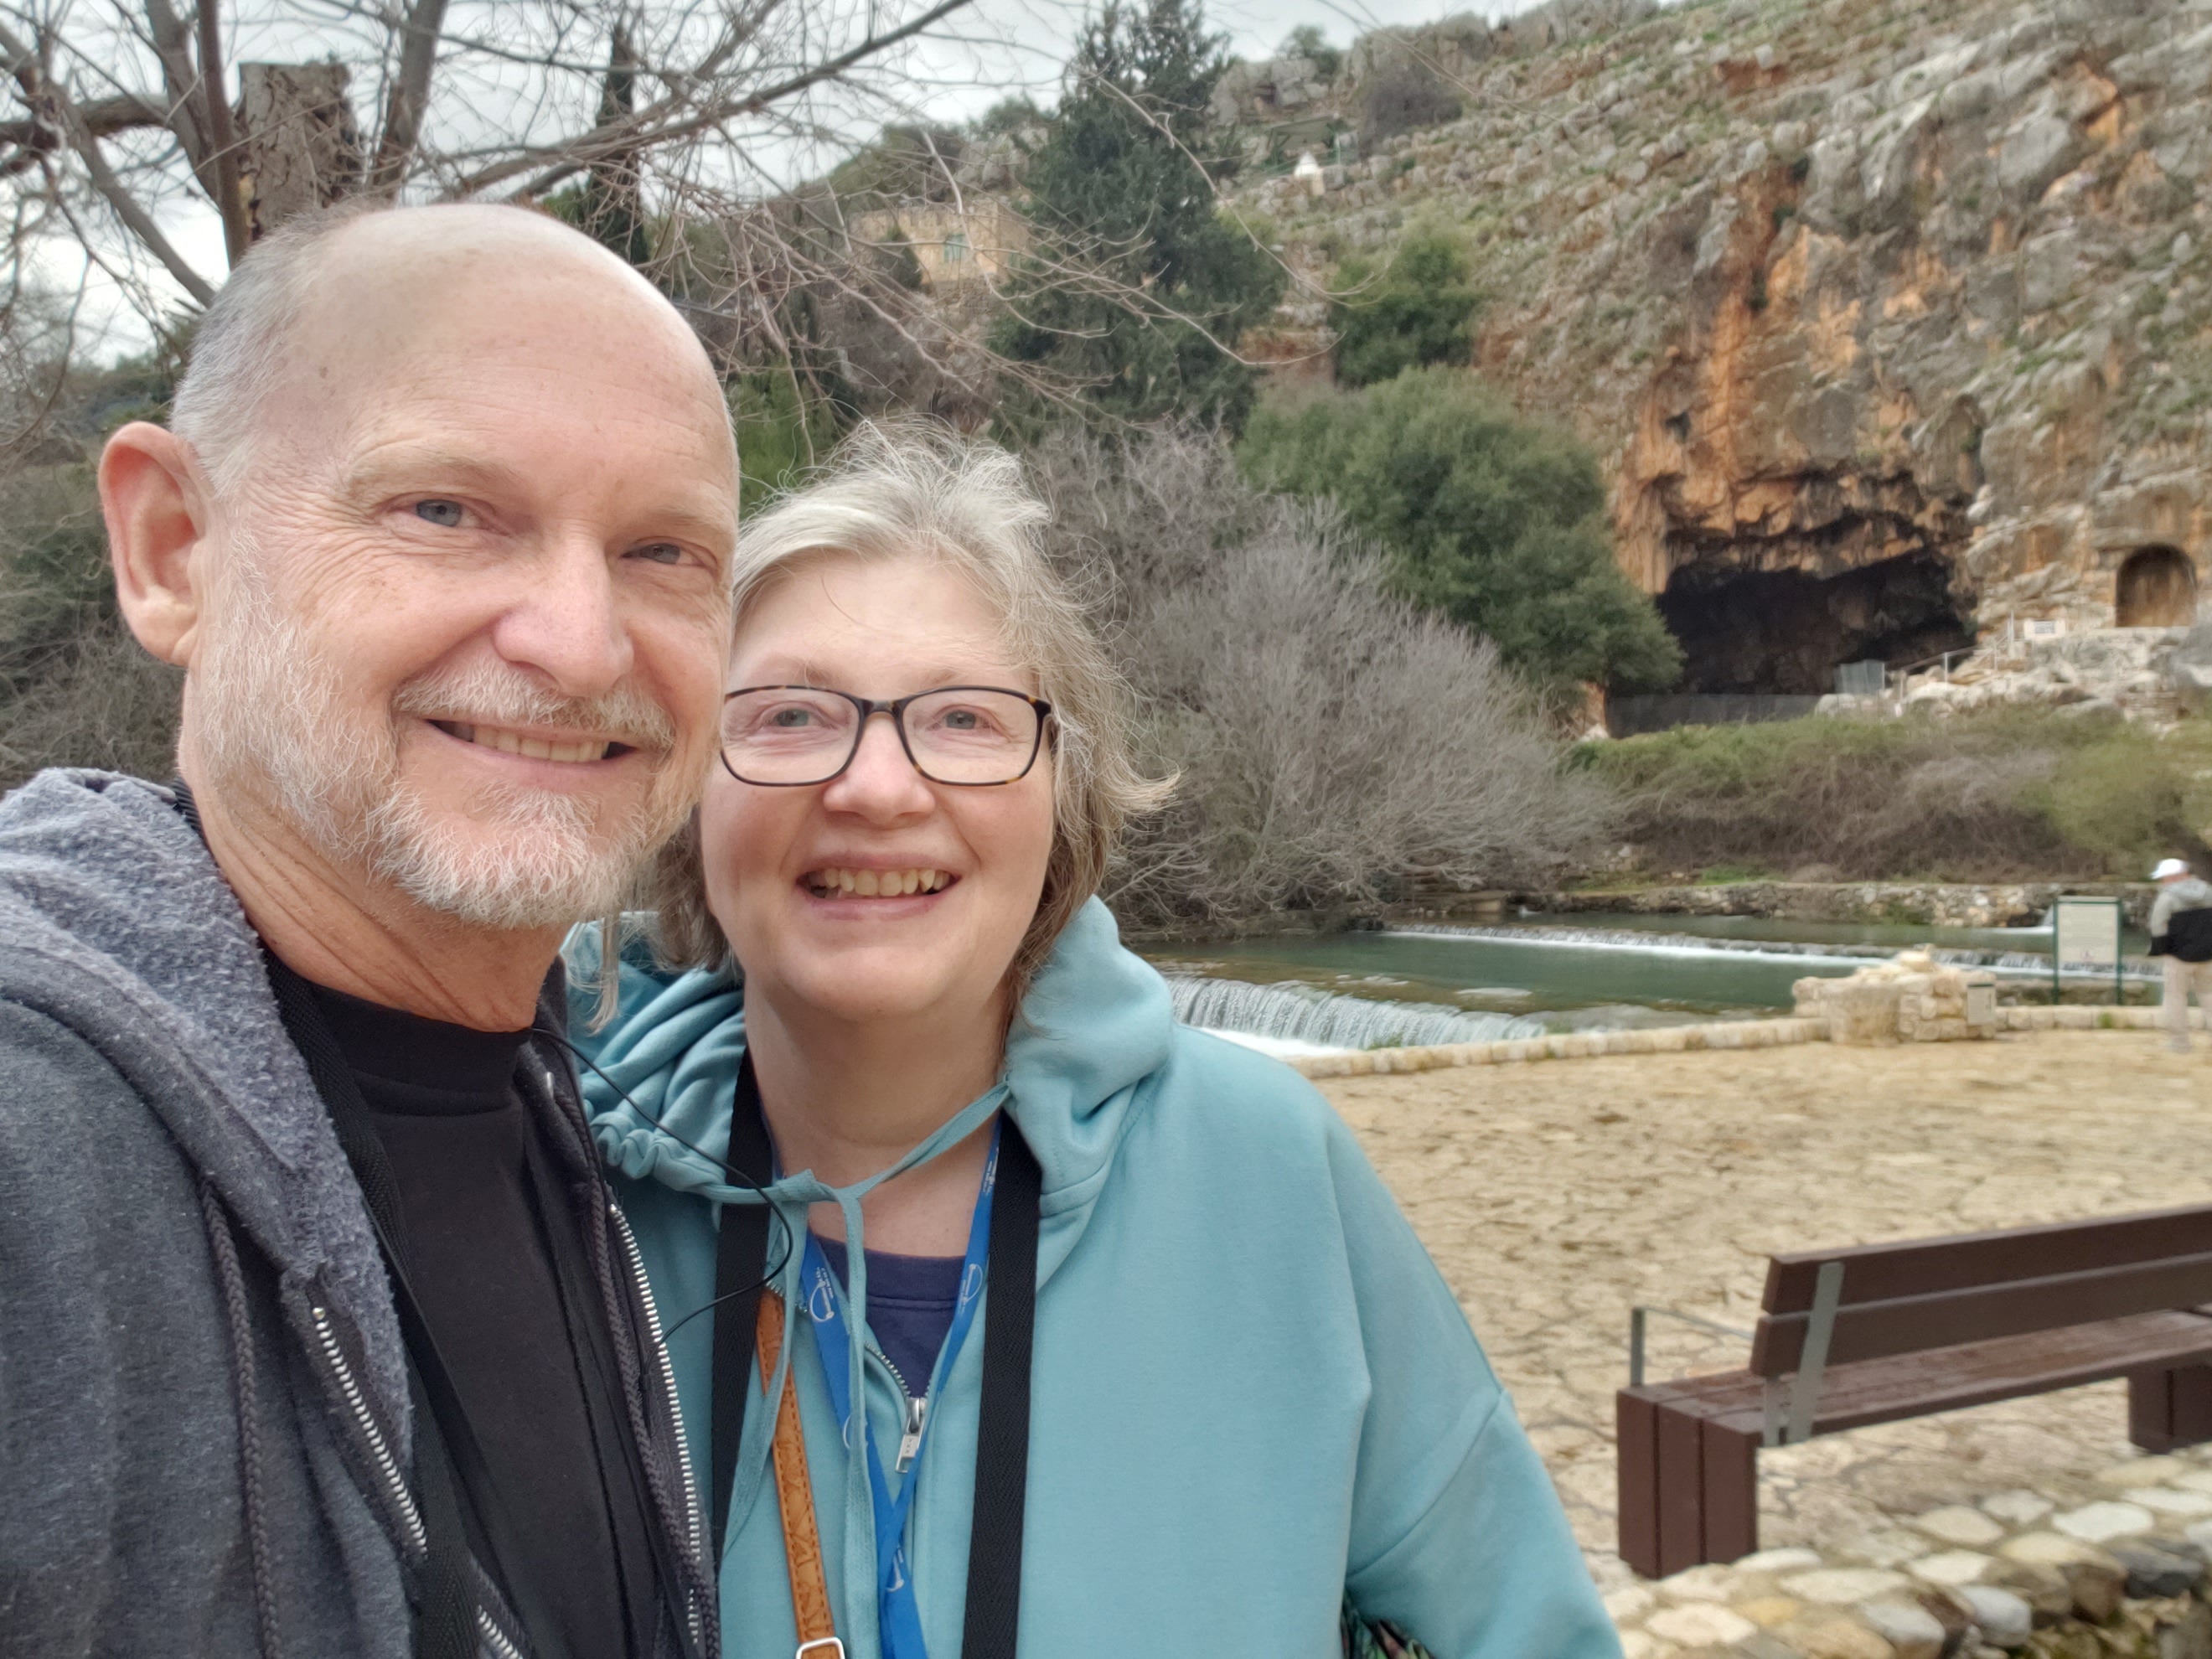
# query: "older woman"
{"type": "Point", "coordinates": [1113, 1342]}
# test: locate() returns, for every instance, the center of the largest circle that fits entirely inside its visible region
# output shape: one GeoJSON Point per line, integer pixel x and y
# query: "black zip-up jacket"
{"type": "Point", "coordinates": [205, 1445]}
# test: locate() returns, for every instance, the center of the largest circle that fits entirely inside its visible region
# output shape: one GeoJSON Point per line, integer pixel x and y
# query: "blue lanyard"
{"type": "Point", "coordinates": [897, 1614]}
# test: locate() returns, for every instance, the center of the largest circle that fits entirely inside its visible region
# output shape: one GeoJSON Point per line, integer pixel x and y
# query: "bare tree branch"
{"type": "Point", "coordinates": [411, 94]}
{"type": "Point", "coordinates": [214, 104]}
{"type": "Point", "coordinates": [49, 101]}
{"type": "Point", "coordinates": [578, 153]}
{"type": "Point", "coordinates": [172, 44]}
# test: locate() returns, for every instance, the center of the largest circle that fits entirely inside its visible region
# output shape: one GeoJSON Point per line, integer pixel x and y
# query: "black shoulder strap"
{"type": "Point", "coordinates": [740, 1263]}
{"type": "Point", "coordinates": [1002, 1442]}
{"type": "Point", "coordinates": [1002, 1446]}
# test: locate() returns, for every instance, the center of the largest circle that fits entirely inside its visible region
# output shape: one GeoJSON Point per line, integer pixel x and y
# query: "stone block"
{"type": "Point", "coordinates": [2005, 1620]}
{"type": "Point", "coordinates": [1949, 1613]}
{"type": "Point", "coordinates": [2101, 1524]}
{"type": "Point", "coordinates": [2189, 1636]}
{"type": "Point", "coordinates": [2152, 1571]}
{"type": "Point", "coordinates": [1834, 1638]}
{"type": "Point", "coordinates": [1700, 1625]}
{"type": "Point", "coordinates": [1953, 1568]}
{"type": "Point", "coordinates": [2043, 1588]}
{"type": "Point", "coordinates": [1843, 1586]}
{"type": "Point", "coordinates": [1908, 1627]}
{"type": "Point", "coordinates": [2094, 1578]}
{"type": "Point", "coordinates": [1956, 1524]}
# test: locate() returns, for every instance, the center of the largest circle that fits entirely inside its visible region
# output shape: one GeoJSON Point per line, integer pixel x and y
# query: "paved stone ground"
{"type": "Point", "coordinates": [1554, 1195]}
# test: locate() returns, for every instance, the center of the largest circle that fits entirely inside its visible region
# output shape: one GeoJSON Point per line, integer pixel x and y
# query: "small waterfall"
{"type": "Point", "coordinates": [1628, 939]}
{"type": "Point", "coordinates": [1307, 1014]}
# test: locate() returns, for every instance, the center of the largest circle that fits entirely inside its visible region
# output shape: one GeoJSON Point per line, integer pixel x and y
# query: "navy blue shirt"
{"type": "Point", "coordinates": [910, 1303]}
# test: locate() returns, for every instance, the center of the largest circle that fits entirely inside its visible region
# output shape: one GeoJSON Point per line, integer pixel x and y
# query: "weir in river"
{"type": "Point", "coordinates": [1621, 939]}
{"type": "Point", "coordinates": [1308, 1016]}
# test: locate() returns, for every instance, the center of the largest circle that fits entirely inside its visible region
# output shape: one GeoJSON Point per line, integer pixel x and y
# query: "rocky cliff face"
{"type": "Point", "coordinates": [1891, 317]}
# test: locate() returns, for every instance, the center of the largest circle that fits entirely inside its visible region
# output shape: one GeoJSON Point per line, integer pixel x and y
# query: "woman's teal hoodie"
{"type": "Point", "coordinates": [1251, 1388]}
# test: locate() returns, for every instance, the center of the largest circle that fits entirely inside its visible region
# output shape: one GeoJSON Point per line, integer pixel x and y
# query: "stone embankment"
{"type": "Point", "coordinates": [1722, 1035]}
{"type": "Point", "coordinates": [2121, 1576]}
{"type": "Point", "coordinates": [1922, 904]}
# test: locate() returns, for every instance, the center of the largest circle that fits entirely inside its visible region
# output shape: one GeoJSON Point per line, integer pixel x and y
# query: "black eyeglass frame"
{"type": "Point", "coordinates": [896, 709]}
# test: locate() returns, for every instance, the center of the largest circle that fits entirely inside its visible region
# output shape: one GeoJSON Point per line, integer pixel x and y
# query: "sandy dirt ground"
{"type": "Point", "coordinates": [1556, 1194]}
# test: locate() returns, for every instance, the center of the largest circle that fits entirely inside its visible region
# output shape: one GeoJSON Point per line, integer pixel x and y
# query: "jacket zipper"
{"type": "Point", "coordinates": [917, 1408]}
{"type": "Point", "coordinates": [379, 1449]}
{"type": "Point", "coordinates": [667, 1372]}
{"type": "Point", "coordinates": [493, 1638]}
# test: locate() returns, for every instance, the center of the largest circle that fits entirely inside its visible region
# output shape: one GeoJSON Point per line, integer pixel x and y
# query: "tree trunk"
{"type": "Point", "coordinates": [303, 148]}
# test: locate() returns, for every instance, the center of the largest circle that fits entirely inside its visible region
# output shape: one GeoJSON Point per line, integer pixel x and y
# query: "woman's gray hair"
{"type": "Point", "coordinates": [898, 489]}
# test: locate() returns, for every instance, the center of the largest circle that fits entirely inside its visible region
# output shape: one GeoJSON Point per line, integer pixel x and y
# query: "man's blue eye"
{"type": "Point", "coordinates": [448, 515]}
{"type": "Point", "coordinates": [659, 552]}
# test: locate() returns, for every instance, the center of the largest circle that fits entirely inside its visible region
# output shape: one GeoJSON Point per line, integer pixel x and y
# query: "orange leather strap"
{"type": "Point", "coordinates": [794, 1496]}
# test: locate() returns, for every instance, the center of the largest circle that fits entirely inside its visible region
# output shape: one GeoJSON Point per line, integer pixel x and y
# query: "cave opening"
{"type": "Point", "coordinates": [1785, 632]}
{"type": "Point", "coordinates": [2156, 587]}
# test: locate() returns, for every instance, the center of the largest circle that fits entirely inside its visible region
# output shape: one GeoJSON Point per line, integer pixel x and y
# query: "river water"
{"type": "Point", "coordinates": [1312, 992]}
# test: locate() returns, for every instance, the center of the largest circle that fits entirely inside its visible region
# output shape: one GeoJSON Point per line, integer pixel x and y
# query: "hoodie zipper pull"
{"type": "Point", "coordinates": [910, 1440]}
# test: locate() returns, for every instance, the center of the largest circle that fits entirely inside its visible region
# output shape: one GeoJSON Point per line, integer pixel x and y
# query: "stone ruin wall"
{"type": "Point", "coordinates": [1892, 320]}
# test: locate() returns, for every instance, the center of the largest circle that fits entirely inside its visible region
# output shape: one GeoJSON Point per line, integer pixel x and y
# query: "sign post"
{"type": "Point", "coordinates": [2085, 938]}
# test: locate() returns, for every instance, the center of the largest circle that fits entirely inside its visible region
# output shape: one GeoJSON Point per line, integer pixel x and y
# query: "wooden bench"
{"type": "Point", "coordinates": [1876, 1333]}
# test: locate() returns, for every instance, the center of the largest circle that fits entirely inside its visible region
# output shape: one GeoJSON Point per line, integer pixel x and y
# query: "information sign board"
{"type": "Point", "coordinates": [2085, 938]}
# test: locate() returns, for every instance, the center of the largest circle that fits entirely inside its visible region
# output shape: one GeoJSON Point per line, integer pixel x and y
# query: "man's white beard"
{"type": "Point", "coordinates": [273, 718]}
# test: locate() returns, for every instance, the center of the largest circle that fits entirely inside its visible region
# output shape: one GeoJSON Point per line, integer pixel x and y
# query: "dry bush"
{"type": "Point", "coordinates": [1332, 741]}
{"type": "Point", "coordinates": [1405, 95]}
{"type": "Point", "coordinates": [75, 690]}
{"type": "Point", "coordinates": [110, 706]}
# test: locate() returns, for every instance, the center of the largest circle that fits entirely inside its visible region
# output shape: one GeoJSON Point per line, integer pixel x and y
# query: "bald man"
{"type": "Point", "coordinates": [319, 1335]}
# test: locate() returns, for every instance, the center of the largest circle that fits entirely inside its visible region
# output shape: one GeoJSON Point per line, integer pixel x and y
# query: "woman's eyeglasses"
{"type": "Point", "coordinates": [783, 736]}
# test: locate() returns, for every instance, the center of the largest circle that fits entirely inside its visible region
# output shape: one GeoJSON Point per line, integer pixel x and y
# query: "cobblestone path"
{"type": "Point", "coordinates": [1554, 1195]}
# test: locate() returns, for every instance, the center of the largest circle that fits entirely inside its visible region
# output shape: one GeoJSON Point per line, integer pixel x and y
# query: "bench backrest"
{"type": "Point", "coordinates": [1935, 1293]}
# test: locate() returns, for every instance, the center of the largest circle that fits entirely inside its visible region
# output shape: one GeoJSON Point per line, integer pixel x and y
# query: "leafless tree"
{"type": "Point", "coordinates": [1332, 742]}
{"type": "Point", "coordinates": [119, 122]}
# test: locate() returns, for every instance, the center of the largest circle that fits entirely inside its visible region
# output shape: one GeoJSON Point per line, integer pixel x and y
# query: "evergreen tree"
{"type": "Point", "coordinates": [1419, 309]}
{"type": "Point", "coordinates": [1124, 185]}
{"type": "Point", "coordinates": [1495, 521]}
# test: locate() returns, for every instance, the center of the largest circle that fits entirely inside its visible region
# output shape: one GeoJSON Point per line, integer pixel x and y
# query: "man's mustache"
{"type": "Point", "coordinates": [485, 696]}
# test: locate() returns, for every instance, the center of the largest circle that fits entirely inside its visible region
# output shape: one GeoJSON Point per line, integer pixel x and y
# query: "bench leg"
{"type": "Point", "coordinates": [1689, 1488]}
{"type": "Point", "coordinates": [2170, 1408]}
{"type": "Point", "coordinates": [1731, 1472]}
{"type": "Point", "coordinates": [1635, 1429]}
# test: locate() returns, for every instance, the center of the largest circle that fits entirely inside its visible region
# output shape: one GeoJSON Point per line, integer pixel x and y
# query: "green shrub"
{"type": "Point", "coordinates": [1493, 520]}
{"type": "Point", "coordinates": [1994, 795]}
{"type": "Point", "coordinates": [1418, 310]}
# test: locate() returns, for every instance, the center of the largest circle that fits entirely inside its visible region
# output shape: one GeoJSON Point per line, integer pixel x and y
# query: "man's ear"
{"type": "Point", "coordinates": [155, 503]}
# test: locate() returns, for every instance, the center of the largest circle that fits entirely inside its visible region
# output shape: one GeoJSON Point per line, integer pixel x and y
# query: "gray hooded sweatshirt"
{"type": "Point", "coordinates": [204, 1427]}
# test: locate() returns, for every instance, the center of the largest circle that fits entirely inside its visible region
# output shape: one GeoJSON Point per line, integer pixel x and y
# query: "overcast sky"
{"type": "Point", "coordinates": [995, 48]}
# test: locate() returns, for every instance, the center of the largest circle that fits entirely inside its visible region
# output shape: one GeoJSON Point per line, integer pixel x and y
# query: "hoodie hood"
{"type": "Point", "coordinates": [1098, 1020]}
{"type": "Point", "coordinates": [117, 926]}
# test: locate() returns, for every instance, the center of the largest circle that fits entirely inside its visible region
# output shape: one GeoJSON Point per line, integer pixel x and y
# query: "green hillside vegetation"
{"type": "Point", "coordinates": [1415, 309]}
{"type": "Point", "coordinates": [1493, 520]}
{"type": "Point", "coordinates": [1979, 797]}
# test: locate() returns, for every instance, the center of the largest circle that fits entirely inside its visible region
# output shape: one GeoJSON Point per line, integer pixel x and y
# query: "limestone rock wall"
{"type": "Point", "coordinates": [1892, 319]}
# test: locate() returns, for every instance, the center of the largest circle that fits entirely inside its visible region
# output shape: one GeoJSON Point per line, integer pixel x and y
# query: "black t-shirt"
{"type": "Point", "coordinates": [443, 1102]}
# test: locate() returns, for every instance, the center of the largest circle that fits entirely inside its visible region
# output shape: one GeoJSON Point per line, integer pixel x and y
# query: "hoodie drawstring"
{"type": "Point", "coordinates": [223, 1245]}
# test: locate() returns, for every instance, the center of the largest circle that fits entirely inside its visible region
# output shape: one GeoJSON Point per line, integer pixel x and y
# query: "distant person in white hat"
{"type": "Point", "coordinates": [2181, 933]}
